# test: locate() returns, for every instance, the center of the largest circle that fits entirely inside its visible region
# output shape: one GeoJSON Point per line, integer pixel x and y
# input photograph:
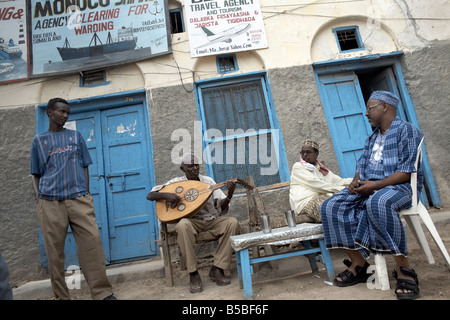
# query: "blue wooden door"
{"type": "Point", "coordinates": [131, 221]}
{"type": "Point", "coordinates": [385, 80]}
{"type": "Point", "coordinates": [345, 110]}
{"type": "Point", "coordinates": [119, 180]}
{"type": "Point", "coordinates": [240, 133]}
{"type": "Point", "coordinates": [89, 125]}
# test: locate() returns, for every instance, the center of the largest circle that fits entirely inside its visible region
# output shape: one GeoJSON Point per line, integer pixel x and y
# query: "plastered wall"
{"type": "Point", "coordinates": [298, 35]}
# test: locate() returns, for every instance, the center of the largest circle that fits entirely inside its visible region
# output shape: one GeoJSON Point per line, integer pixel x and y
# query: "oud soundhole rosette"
{"type": "Point", "coordinates": [191, 195]}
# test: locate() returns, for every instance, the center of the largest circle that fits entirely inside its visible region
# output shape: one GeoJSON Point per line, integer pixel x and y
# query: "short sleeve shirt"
{"type": "Point", "coordinates": [59, 158]}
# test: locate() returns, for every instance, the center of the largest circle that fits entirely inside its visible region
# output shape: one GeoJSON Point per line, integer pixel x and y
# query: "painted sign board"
{"type": "Point", "coordinates": [77, 35]}
{"type": "Point", "coordinates": [224, 26]}
{"type": "Point", "coordinates": [14, 63]}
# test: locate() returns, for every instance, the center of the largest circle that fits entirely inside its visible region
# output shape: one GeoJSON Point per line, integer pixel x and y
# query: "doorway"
{"type": "Point", "coordinates": [344, 87]}
{"type": "Point", "coordinates": [116, 130]}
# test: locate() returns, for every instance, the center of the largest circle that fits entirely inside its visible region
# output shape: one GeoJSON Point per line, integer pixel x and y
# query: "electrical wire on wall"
{"type": "Point", "coordinates": [181, 78]}
{"type": "Point", "coordinates": [269, 10]}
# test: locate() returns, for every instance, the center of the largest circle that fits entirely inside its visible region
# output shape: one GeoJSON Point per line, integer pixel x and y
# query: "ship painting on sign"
{"type": "Point", "coordinates": [125, 41]}
{"type": "Point", "coordinates": [10, 51]}
{"type": "Point", "coordinates": [224, 36]}
{"type": "Point", "coordinates": [5, 65]}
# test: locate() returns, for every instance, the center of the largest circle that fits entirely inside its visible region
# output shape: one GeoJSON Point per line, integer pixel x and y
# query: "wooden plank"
{"type": "Point", "coordinates": [259, 202]}
{"type": "Point", "coordinates": [251, 206]}
{"type": "Point", "coordinates": [275, 186]}
{"type": "Point", "coordinates": [168, 269]}
{"type": "Point", "coordinates": [264, 188]}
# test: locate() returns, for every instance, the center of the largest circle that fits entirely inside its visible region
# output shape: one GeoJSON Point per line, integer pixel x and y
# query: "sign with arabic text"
{"type": "Point", "coordinates": [224, 26]}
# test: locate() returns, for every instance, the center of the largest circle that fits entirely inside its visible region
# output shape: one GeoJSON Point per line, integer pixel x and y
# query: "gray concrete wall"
{"type": "Point", "coordinates": [427, 76]}
{"type": "Point", "coordinates": [297, 105]}
{"type": "Point", "coordinates": [18, 219]}
{"type": "Point", "coordinates": [171, 108]}
{"type": "Point", "coordinates": [300, 114]}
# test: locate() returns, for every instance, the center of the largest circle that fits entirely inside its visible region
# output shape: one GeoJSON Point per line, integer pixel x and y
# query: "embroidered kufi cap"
{"type": "Point", "coordinates": [385, 96]}
{"type": "Point", "coordinates": [311, 143]}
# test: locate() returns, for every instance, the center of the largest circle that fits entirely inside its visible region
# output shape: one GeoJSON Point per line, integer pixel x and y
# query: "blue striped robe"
{"type": "Point", "coordinates": [372, 224]}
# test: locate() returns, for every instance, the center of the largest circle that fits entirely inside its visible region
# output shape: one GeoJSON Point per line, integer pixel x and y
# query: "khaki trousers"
{"type": "Point", "coordinates": [187, 230]}
{"type": "Point", "coordinates": [54, 219]}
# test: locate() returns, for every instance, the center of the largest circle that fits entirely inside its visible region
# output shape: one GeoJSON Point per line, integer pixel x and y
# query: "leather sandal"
{"type": "Point", "coordinates": [407, 284]}
{"type": "Point", "coordinates": [349, 279]}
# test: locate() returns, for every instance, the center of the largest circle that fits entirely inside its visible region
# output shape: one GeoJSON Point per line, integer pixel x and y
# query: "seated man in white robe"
{"type": "Point", "coordinates": [311, 184]}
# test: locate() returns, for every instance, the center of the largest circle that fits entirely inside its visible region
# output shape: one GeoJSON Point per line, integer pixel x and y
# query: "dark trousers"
{"type": "Point", "coordinates": [5, 289]}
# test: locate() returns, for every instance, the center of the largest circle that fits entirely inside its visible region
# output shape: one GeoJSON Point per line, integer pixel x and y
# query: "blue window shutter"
{"type": "Point", "coordinates": [241, 108]}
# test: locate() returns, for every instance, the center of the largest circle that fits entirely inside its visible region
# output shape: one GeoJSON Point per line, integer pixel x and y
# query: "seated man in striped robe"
{"type": "Point", "coordinates": [364, 218]}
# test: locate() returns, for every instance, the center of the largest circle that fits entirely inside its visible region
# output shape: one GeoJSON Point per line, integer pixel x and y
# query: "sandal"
{"type": "Point", "coordinates": [349, 279]}
{"type": "Point", "coordinates": [407, 284]}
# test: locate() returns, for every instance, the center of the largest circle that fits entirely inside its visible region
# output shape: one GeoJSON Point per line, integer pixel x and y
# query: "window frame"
{"type": "Point", "coordinates": [357, 38]}
{"type": "Point", "coordinates": [182, 19]}
{"type": "Point", "coordinates": [283, 169]}
{"type": "Point", "coordinates": [103, 83]}
{"type": "Point", "coordinates": [223, 56]}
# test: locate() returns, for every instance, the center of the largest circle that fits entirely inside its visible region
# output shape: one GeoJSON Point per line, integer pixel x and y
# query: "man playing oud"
{"type": "Point", "coordinates": [209, 218]}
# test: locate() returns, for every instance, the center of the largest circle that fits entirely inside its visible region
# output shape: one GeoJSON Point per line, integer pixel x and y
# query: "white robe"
{"type": "Point", "coordinates": [307, 181]}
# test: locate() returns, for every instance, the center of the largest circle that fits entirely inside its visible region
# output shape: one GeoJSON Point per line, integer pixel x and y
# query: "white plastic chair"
{"type": "Point", "coordinates": [411, 217]}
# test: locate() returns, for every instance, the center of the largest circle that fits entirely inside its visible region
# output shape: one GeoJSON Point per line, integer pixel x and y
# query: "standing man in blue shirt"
{"type": "Point", "coordinates": [364, 218]}
{"type": "Point", "coordinates": [59, 167]}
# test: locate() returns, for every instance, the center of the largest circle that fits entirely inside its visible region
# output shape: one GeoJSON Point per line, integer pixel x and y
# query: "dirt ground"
{"type": "Point", "coordinates": [290, 280]}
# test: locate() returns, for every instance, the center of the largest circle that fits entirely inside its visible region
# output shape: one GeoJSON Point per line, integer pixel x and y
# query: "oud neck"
{"type": "Point", "coordinates": [223, 184]}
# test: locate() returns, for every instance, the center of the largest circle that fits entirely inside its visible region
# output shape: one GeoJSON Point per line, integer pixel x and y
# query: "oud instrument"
{"type": "Point", "coordinates": [193, 194]}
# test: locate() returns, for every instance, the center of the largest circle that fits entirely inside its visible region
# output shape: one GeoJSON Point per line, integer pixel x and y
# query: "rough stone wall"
{"type": "Point", "coordinates": [297, 105]}
{"type": "Point", "coordinates": [18, 219]}
{"type": "Point", "coordinates": [170, 109]}
{"type": "Point", "coordinates": [300, 115]}
{"type": "Point", "coordinates": [427, 76]}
